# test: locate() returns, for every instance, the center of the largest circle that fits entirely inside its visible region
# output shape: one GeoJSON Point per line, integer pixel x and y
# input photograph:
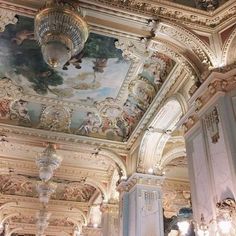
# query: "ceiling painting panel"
{"type": "Point", "coordinates": [96, 73]}
{"type": "Point", "coordinates": [83, 98]}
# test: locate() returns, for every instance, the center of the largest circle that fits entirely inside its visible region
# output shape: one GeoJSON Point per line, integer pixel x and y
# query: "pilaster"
{"type": "Point", "coordinates": [210, 144]}
{"type": "Point", "coordinates": [110, 219]}
{"type": "Point", "coordinates": [141, 211]}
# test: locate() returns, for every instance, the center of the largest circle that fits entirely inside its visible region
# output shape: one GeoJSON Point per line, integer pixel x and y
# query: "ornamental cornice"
{"type": "Point", "coordinates": [140, 179]}
{"type": "Point", "coordinates": [216, 84]}
{"type": "Point", "coordinates": [172, 11]}
{"type": "Point", "coordinates": [74, 174]}
{"type": "Point", "coordinates": [188, 39]}
{"type": "Point", "coordinates": [33, 203]}
{"type": "Point", "coordinates": [47, 136]}
{"type": "Point", "coordinates": [141, 10]}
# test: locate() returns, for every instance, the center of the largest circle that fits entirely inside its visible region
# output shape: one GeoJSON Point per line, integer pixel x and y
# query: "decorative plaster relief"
{"type": "Point", "coordinates": [176, 12]}
{"type": "Point", "coordinates": [212, 124]}
{"type": "Point", "coordinates": [6, 18]}
{"type": "Point", "coordinates": [26, 186]}
{"type": "Point", "coordinates": [188, 40]}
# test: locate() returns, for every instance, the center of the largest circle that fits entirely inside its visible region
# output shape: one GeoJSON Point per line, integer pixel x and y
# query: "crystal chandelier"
{"type": "Point", "coordinates": [45, 190]}
{"type": "Point", "coordinates": [47, 162]}
{"type": "Point", "coordinates": [42, 221]}
{"type": "Point", "coordinates": [61, 31]}
{"type": "Point", "coordinates": [223, 224]}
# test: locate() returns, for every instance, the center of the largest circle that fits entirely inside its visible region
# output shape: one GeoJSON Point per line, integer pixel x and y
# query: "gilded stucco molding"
{"type": "Point", "coordinates": [159, 9]}
{"type": "Point", "coordinates": [76, 208]}
{"type": "Point", "coordinates": [7, 17]}
{"type": "Point", "coordinates": [47, 136]}
{"type": "Point", "coordinates": [8, 90]}
{"type": "Point", "coordinates": [174, 53]}
{"type": "Point", "coordinates": [142, 179]}
{"type": "Point", "coordinates": [228, 50]}
{"type": "Point", "coordinates": [188, 40]}
{"type": "Point", "coordinates": [216, 84]}
{"type": "Point", "coordinates": [172, 11]}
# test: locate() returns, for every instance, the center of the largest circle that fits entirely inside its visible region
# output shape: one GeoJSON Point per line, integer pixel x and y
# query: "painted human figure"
{"type": "Point", "coordinates": [90, 124]}
{"type": "Point", "coordinates": [22, 36]}
{"type": "Point", "coordinates": [19, 108]}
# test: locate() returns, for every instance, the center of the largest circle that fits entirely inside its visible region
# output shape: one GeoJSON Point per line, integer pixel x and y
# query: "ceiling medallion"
{"type": "Point", "coordinates": [61, 31]}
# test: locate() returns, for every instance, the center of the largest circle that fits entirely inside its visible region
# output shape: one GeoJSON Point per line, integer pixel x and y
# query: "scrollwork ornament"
{"type": "Point", "coordinates": [227, 204]}
{"type": "Point", "coordinates": [9, 90]}
{"type": "Point", "coordinates": [6, 18]}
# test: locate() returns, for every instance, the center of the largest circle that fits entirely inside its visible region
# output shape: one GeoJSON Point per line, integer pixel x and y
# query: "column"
{"type": "Point", "coordinates": [110, 219]}
{"type": "Point", "coordinates": [211, 145]}
{"type": "Point", "coordinates": [141, 211]}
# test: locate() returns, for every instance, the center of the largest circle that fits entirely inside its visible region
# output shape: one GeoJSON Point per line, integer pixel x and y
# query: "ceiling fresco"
{"type": "Point", "coordinates": [96, 73]}
{"type": "Point", "coordinates": [84, 97]}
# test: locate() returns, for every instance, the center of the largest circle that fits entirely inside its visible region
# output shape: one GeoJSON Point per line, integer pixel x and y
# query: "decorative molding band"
{"type": "Point", "coordinates": [7, 17]}
{"type": "Point", "coordinates": [132, 8]}
{"type": "Point", "coordinates": [215, 84]}
{"type": "Point", "coordinates": [172, 11]}
{"type": "Point", "coordinates": [142, 179]}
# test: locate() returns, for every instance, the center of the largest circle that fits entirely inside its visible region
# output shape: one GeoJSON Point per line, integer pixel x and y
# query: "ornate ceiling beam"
{"type": "Point", "coordinates": [140, 11]}
{"type": "Point", "coordinates": [23, 167]}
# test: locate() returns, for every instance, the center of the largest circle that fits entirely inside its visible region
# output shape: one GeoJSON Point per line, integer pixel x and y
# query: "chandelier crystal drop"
{"type": "Point", "coordinates": [61, 31]}
{"type": "Point", "coordinates": [42, 221]}
{"type": "Point", "coordinates": [48, 161]}
{"type": "Point", "coordinates": [45, 190]}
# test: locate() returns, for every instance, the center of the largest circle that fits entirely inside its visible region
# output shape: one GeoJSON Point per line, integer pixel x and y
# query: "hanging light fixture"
{"type": "Point", "coordinates": [45, 190]}
{"type": "Point", "coordinates": [61, 31]}
{"type": "Point", "coordinates": [42, 221]}
{"type": "Point", "coordinates": [48, 161]}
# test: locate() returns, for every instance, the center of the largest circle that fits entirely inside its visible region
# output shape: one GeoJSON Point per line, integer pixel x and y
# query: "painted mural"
{"type": "Point", "coordinates": [94, 74]}
{"type": "Point", "coordinates": [91, 79]}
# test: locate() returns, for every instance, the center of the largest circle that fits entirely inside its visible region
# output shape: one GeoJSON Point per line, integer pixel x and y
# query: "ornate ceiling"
{"type": "Point", "coordinates": [111, 111]}
{"type": "Point", "coordinates": [98, 93]}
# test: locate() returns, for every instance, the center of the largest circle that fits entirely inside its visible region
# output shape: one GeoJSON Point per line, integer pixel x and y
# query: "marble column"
{"type": "Point", "coordinates": [110, 219]}
{"type": "Point", "coordinates": [141, 211]}
{"type": "Point", "coordinates": [211, 144]}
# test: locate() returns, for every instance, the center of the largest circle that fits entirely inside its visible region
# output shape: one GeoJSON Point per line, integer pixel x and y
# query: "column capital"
{"type": "Point", "coordinates": [141, 179]}
{"type": "Point", "coordinates": [215, 85]}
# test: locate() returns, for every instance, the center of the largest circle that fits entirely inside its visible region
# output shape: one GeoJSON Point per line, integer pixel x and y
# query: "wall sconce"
{"type": "Point", "coordinates": [226, 211]}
